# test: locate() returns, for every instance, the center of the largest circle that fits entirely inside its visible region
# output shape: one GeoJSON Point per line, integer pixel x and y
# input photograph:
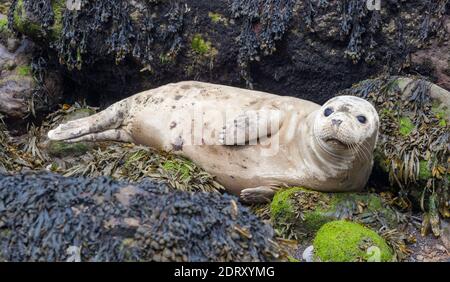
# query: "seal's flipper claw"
{"type": "Point", "coordinates": [261, 194]}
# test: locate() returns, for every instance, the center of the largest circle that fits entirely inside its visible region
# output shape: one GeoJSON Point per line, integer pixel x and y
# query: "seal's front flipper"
{"type": "Point", "coordinates": [261, 194]}
{"type": "Point", "coordinates": [110, 118]}
{"type": "Point", "coordinates": [247, 128]}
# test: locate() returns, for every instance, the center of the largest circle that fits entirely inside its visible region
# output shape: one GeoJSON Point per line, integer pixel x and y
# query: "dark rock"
{"type": "Point", "coordinates": [308, 49]}
{"type": "Point", "coordinates": [46, 217]}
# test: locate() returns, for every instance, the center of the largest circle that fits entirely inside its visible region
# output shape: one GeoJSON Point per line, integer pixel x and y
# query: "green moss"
{"type": "Point", "coordinates": [405, 126]}
{"type": "Point", "coordinates": [24, 70]}
{"type": "Point", "coordinates": [201, 46]}
{"type": "Point", "coordinates": [440, 113]}
{"type": "Point", "coordinates": [282, 204]}
{"type": "Point", "coordinates": [292, 259]}
{"type": "Point", "coordinates": [61, 149]}
{"type": "Point", "coordinates": [22, 24]}
{"type": "Point", "coordinates": [314, 220]}
{"type": "Point", "coordinates": [217, 18]}
{"type": "Point", "coordinates": [4, 30]}
{"type": "Point", "coordinates": [3, 24]}
{"type": "Point", "coordinates": [58, 9]}
{"type": "Point", "coordinates": [424, 170]}
{"type": "Point", "coordinates": [343, 241]}
{"type": "Point", "coordinates": [304, 211]}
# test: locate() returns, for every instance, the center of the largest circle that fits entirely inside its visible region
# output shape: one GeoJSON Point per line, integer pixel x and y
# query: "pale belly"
{"type": "Point", "coordinates": [240, 167]}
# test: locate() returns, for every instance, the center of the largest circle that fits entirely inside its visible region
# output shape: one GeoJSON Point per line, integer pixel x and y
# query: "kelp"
{"type": "Point", "coordinates": [12, 158]}
{"type": "Point", "coordinates": [47, 217]}
{"type": "Point", "coordinates": [433, 22]}
{"type": "Point", "coordinates": [114, 23]}
{"type": "Point", "coordinates": [360, 25]}
{"type": "Point", "coordinates": [151, 32]}
{"type": "Point", "coordinates": [413, 144]}
{"type": "Point", "coordinates": [134, 163]}
{"type": "Point", "coordinates": [264, 23]}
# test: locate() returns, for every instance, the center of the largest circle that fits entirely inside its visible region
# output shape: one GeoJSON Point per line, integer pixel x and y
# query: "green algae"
{"type": "Point", "coordinates": [344, 241]}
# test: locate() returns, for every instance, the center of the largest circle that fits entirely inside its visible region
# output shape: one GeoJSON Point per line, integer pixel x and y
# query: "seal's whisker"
{"type": "Point", "coordinates": [361, 152]}
{"type": "Point", "coordinates": [365, 150]}
{"type": "Point", "coordinates": [365, 146]}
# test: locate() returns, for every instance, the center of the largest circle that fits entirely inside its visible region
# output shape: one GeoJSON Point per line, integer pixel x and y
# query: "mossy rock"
{"type": "Point", "coordinates": [202, 46]}
{"type": "Point", "coordinates": [3, 25]}
{"type": "Point", "coordinates": [218, 18]}
{"type": "Point", "coordinates": [344, 241]}
{"type": "Point", "coordinates": [298, 212]}
{"type": "Point", "coordinates": [62, 149]}
{"type": "Point", "coordinates": [28, 26]}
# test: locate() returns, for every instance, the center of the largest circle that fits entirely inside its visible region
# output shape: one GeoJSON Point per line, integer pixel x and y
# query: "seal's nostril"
{"type": "Point", "coordinates": [336, 122]}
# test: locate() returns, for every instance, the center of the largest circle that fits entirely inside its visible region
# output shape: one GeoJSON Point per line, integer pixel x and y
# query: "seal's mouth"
{"type": "Point", "coordinates": [336, 142]}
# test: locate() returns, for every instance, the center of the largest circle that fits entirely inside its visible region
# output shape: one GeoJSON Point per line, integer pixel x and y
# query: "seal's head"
{"type": "Point", "coordinates": [347, 123]}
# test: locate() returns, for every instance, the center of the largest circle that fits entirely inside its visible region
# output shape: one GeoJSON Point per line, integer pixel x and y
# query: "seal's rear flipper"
{"type": "Point", "coordinates": [108, 135]}
{"type": "Point", "coordinates": [257, 195]}
{"type": "Point", "coordinates": [110, 118]}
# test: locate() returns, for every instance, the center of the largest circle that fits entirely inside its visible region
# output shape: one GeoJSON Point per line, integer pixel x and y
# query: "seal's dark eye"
{"type": "Point", "coordinates": [328, 111]}
{"type": "Point", "coordinates": [361, 119]}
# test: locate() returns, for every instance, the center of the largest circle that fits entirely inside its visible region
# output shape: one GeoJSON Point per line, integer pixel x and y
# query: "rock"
{"type": "Point", "coordinates": [63, 149]}
{"type": "Point", "coordinates": [13, 44]}
{"type": "Point", "coordinates": [308, 49]}
{"type": "Point", "coordinates": [47, 217]}
{"type": "Point", "coordinates": [419, 257]}
{"type": "Point", "coordinates": [299, 213]}
{"type": "Point", "coordinates": [434, 60]}
{"type": "Point", "coordinates": [16, 80]}
{"type": "Point", "coordinates": [343, 241]}
{"type": "Point", "coordinates": [440, 97]}
{"type": "Point", "coordinates": [445, 230]}
{"type": "Point", "coordinates": [21, 93]}
{"type": "Point", "coordinates": [308, 254]}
